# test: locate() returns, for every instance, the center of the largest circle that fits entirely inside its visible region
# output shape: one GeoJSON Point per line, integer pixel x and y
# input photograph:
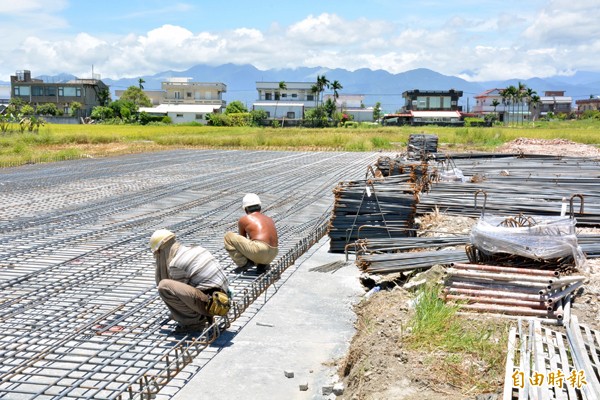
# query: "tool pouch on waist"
{"type": "Point", "coordinates": [219, 304]}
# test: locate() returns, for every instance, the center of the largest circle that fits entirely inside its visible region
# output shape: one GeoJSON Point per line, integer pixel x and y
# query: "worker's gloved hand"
{"type": "Point", "coordinates": [219, 304]}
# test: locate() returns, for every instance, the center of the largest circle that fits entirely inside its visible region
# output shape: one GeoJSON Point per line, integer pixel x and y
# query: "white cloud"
{"type": "Point", "coordinates": [507, 45]}
{"type": "Point", "coordinates": [23, 7]}
{"type": "Point", "coordinates": [564, 23]}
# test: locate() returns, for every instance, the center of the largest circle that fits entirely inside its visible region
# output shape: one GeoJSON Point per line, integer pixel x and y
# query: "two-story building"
{"type": "Point", "coordinates": [287, 103]}
{"type": "Point", "coordinates": [185, 101]}
{"type": "Point", "coordinates": [353, 105]}
{"type": "Point", "coordinates": [87, 92]}
{"type": "Point", "coordinates": [490, 102]}
{"type": "Point", "coordinates": [425, 107]}
{"type": "Point", "coordinates": [555, 102]}
{"type": "Point", "coordinates": [593, 103]}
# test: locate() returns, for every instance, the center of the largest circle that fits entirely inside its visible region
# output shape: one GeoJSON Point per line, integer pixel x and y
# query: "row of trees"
{"type": "Point", "coordinates": [18, 108]}
{"type": "Point", "coordinates": [517, 97]}
{"type": "Point", "coordinates": [125, 110]}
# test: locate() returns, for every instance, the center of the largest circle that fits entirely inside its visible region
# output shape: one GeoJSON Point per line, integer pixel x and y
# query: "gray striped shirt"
{"type": "Point", "coordinates": [197, 267]}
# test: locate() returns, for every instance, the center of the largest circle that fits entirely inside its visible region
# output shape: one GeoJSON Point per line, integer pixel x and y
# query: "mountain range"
{"type": "Point", "coordinates": [376, 85]}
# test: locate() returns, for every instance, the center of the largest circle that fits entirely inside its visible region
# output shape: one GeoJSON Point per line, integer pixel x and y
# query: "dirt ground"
{"type": "Point", "coordinates": [380, 366]}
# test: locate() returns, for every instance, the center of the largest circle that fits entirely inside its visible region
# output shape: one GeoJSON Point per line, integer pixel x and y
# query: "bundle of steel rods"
{"type": "Point", "coordinates": [510, 290]}
{"type": "Point", "coordinates": [387, 255]}
{"type": "Point", "coordinates": [372, 209]}
{"type": "Point", "coordinates": [397, 262]}
{"type": "Point", "coordinates": [416, 171]}
{"type": "Point", "coordinates": [531, 185]}
{"type": "Point", "coordinates": [420, 145]}
{"type": "Point", "coordinates": [590, 244]}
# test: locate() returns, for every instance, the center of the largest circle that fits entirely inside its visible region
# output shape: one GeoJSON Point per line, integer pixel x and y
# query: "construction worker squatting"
{"type": "Point", "coordinates": [256, 243]}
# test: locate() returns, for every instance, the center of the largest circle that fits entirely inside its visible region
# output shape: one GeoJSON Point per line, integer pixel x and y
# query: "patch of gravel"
{"type": "Point", "coordinates": [555, 147]}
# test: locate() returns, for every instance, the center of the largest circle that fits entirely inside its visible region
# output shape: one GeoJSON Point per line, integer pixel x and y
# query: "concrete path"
{"type": "Point", "coordinates": [304, 326]}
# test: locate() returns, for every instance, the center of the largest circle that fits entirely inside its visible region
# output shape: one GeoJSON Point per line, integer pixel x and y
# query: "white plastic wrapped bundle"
{"type": "Point", "coordinates": [550, 238]}
{"type": "Point", "coordinates": [452, 175]}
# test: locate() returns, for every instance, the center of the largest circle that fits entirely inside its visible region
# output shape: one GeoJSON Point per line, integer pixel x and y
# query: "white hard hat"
{"type": "Point", "coordinates": [250, 199]}
{"type": "Point", "coordinates": [159, 237]}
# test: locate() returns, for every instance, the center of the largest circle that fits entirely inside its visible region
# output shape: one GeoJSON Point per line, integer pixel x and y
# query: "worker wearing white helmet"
{"type": "Point", "coordinates": [256, 243]}
{"type": "Point", "coordinates": [190, 281]}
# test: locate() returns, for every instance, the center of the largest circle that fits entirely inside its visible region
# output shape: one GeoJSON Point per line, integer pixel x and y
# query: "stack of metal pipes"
{"type": "Point", "coordinates": [526, 292]}
{"type": "Point", "coordinates": [529, 185]}
{"type": "Point", "coordinates": [378, 208]}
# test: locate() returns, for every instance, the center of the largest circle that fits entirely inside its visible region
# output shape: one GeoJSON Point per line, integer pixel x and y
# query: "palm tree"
{"type": "Point", "coordinates": [141, 82]}
{"type": "Point", "coordinates": [534, 101]}
{"type": "Point", "coordinates": [282, 86]}
{"type": "Point", "coordinates": [529, 93]}
{"type": "Point", "coordinates": [336, 85]}
{"type": "Point", "coordinates": [495, 103]}
{"type": "Point", "coordinates": [509, 96]}
{"type": "Point", "coordinates": [322, 83]}
{"type": "Point", "coordinates": [315, 91]}
{"type": "Point", "coordinates": [520, 96]}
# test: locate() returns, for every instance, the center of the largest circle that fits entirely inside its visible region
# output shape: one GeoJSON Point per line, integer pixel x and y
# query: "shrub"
{"type": "Point", "coordinates": [218, 120]}
{"type": "Point", "coordinates": [590, 114]}
{"type": "Point", "coordinates": [470, 121]}
{"type": "Point", "coordinates": [259, 117]}
{"type": "Point", "coordinates": [240, 119]}
{"type": "Point", "coordinates": [47, 109]}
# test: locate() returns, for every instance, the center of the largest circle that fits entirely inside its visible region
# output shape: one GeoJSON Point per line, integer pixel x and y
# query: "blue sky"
{"type": "Point", "coordinates": [476, 40]}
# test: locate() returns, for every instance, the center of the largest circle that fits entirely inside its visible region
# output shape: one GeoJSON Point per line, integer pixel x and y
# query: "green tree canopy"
{"type": "Point", "coordinates": [103, 97]}
{"type": "Point", "coordinates": [377, 111]}
{"type": "Point", "coordinates": [47, 109]}
{"type": "Point", "coordinates": [27, 109]}
{"type": "Point", "coordinates": [135, 95]}
{"type": "Point", "coordinates": [102, 112]}
{"type": "Point", "coordinates": [75, 107]}
{"type": "Point", "coordinates": [123, 108]}
{"type": "Point", "coordinates": [235, 107]}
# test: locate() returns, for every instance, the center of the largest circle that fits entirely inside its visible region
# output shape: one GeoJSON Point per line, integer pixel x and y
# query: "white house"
{"type": "Point", "coordinates": [182, 113]}
{"type": "Point", "coordinates": [186, 101]}
{"type": "Point", "coordinates": [353, 105]}
{"type": "Point", "coordinates": [491, 101]}
{"type": "Point", "coordinates": [285, 104]}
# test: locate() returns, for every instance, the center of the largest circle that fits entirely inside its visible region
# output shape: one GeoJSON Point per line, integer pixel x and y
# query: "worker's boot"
{"type": "Point", "coordinates": [244, 268]}
{"type": "Point", "coordinates": [262, 268]}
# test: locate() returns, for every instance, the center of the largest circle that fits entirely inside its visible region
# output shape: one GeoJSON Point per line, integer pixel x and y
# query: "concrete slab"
{"type": "Point", "coordinates": [305, 325]}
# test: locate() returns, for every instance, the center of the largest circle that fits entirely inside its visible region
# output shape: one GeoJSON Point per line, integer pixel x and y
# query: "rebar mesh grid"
{"type": "Point", "coordinates": [79, 313]}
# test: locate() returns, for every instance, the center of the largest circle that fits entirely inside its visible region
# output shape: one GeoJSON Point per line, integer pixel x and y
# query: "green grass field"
{"type": "Point", "coordinates": [62, 142]}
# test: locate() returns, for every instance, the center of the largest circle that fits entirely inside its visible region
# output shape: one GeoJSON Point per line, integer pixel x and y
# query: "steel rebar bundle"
{"type": "Point", "coordinates": [386, 207]}
{"type": "Point", "coordinates": [386, 255]}
{"type": "Point", "coordinates": [527, 185]}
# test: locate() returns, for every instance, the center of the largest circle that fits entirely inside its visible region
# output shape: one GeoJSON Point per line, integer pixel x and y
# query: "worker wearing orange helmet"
{"type": "Point", "coordinates": [256, 243]}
